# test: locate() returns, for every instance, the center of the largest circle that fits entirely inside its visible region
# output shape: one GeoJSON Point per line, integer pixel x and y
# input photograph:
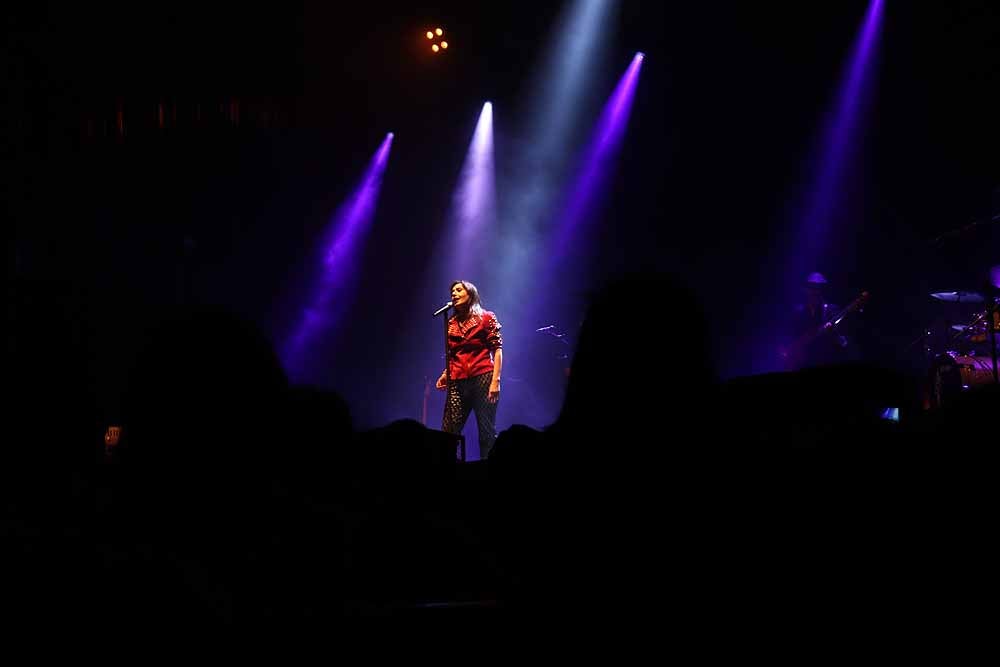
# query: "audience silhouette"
{"type": "Point", "coordinates": [234, 497]}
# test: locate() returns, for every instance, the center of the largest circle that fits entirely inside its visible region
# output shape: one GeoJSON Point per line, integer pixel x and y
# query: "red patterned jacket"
{"type": "Point", "coordinates": [471, 345]}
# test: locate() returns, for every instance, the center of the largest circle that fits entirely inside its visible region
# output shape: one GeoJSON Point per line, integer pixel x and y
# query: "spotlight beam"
{"type": "Point", "coordinates": [347, 231]}
{"type": "Point", "coordinates": [836, 140]}
{"type": "Point", "coordinates": [560, 91]}
{"type": "Point", "coordinates": [470, 224]}
{"type": "Point", "coordinates": [474, 201]}
{"type": "Point", "coordinates": [821, 200]}
{"type": "Point", "coordinates": [604, 144]}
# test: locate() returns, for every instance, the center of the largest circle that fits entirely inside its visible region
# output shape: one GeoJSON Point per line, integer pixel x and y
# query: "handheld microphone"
{"type": "Point", "coordinates": [442, 309]}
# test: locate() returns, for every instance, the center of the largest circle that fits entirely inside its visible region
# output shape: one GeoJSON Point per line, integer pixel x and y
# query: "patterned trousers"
{"type": "Point", "coordinates": [469, 395]}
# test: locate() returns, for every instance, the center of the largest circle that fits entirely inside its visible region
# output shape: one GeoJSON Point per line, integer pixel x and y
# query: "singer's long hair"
{"type": "Point", "coordinates": [475, 307]}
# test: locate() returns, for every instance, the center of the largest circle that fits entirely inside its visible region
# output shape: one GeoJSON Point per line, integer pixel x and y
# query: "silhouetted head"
{"type": "Point", "coordinates": [814, 288]}
{"type": "Point", "coordinates": [206, 389]}
{"type": "Point", "coordinates": [639, 364]}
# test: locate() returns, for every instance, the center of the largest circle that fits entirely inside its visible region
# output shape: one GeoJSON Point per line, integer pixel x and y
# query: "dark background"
{"type": "Point", "coordinates": [112, 227]}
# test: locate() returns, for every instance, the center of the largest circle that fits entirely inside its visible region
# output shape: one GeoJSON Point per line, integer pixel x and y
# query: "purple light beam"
{"type": "Point", "coordinates": [838, 138]}
{"type": "Point", "coordinates": [607, 137]}
{"type": "Point", "coordinates": [474, 202]}
{"type": "Point", "coordinates": [349, 224]}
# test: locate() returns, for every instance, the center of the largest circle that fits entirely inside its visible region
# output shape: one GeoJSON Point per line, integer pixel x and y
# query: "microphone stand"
{"type": "Point", "coordinates": [447, 361]}
{"type": "Point", "coordinates": [447, 372]}
{"type": "Point", "coordinates": [447, 366]}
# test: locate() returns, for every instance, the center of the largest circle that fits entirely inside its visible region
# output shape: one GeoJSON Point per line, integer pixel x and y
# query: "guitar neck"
{"type": "Point", "coordinates": [799, 346]}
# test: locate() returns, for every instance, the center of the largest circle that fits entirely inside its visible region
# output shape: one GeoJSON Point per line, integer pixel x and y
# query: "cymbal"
{"type": "Point", "coordinates": [958, 297]}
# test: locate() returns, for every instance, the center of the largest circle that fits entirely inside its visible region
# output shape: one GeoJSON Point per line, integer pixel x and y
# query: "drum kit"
{"type": "Point", "coordinates": [963, 354]}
